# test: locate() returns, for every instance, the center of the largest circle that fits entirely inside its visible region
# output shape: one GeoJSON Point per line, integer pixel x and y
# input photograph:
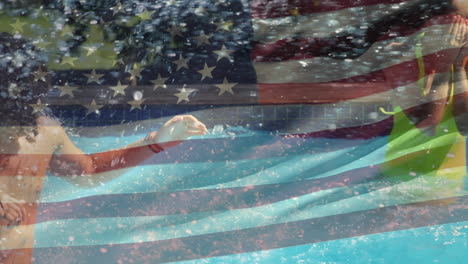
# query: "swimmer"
{"type": "Point", "coordinates": [426, 154]}
{"type": "Point", "coordinates": [32, 143]}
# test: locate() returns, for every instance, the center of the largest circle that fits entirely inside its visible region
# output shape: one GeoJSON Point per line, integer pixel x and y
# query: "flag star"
{"type": "Point", "coordinates": [90, 49]}
{"type": "Point", "coordinates": [66, 31]}
{"type": "Point", "coordinates": [206, 72]}
{"type": "Point", "coordinates": [224, 53]}
{"type": "Point", "coordinates": [159, 82]}
{"type": "Point", "coordinates": [158, 50]}
{"type": "Point", "coordinates": [135, 72]}
{"type": "Point", "coordinates": [18, 25]}
{"type": "Point", "coordinates": [39, 75]}
{"type": "Point", "coordinates": [136, 104]}
{"type": "Point", "coordinates": [203, 39]}
{"type": "Point", "coordinates": [225, 87]}
{"type": "Point", "coordinates": [146, 15]}
{"type": "Point", "coordinates": [181, 62]}
{"type": "Point", "coordinates": [117, 9]}
{"type": "Point", "coordinates": [172, 3]}
{"type": "Point", "coordinates": [119, 89]}
{"type": "Point", "coordinates": [41, 43]}
{"type": "Point", "coordinates": [93, 77]}
{"type": "Point", "coordinates": [93, 108]}
{"type": "Point", "coordinates": [14, 90]}
{"type": "Point", "coordinates": [183, 94]}
{"type": "Point", "coordinates": [120, 61]}
{"type": "Point", "coordinates": [38, 107]}
{"type": "Point", "coordinates": [224, 25]}
{"type": "Point", "coordinates": [66, 89]}
{"type": "Point", "coordinates": [199, 11]}
{"type": "Point", "coordinates": [176, 30]}
{"type": "Point", "coordinates": [221, 2]}
{"type": "Point", "coordinates": [69, 60]}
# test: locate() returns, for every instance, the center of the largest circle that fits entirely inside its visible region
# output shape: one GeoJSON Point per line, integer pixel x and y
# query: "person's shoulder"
{"type": "Point", "coordinates": [50, 127]}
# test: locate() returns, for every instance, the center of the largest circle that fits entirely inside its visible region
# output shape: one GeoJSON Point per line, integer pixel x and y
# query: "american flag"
{"type": "Point", "coordinates": [306, 161]}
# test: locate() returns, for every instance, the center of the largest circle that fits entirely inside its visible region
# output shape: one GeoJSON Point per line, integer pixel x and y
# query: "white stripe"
{"type": "Point", "coordinates": [102, 231]}
{"type": "Point", "coordinates": [379, 56]}
{"type": "Point", "coordinates": [153, 178]}
{"type": "Point", "coordinates": [320, 25]}
{"type": "Point", "coordinates": [161, 178]}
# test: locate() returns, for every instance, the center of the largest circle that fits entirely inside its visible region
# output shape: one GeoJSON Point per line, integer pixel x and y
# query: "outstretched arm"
{"type": "Point", "coordinates": [98, 167]}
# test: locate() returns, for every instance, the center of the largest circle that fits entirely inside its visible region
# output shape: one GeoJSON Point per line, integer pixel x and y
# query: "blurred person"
{"type": "Point", "coordinates": [32, 143]}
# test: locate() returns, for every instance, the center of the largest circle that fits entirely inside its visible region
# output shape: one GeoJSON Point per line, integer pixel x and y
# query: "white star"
{"type": "Point", "coordinates": [203, 39]}
{"type": "Point", "coordinates": [158, 50]}
{"type": "Point", "coordinates": [119, 89]}
{"type": "Point", "coordinates": [146, 15]}
{"type": "Point", "coordinates": [66, 89]}
{"type": "Point", "coordinates": [176, 30]}
{"type": "Point", "coordinates": [159, 82]}
{"type": "Point", "coordinates": [91, 49]}
{"type": "Point", "coordinates": [199, 11]}
{"type": "Point", "coordinates": [225, 87]}
{"type": "Point", "coordinates": [39, 75]}
{"type": "Point", "coordinates": [136, 104]}
{"type": "Point", "coordinates": [41, 43]}
{"type": "Point", "coordinates": [184, 94]}
{"type": "Point", "coordinates": [93, 107]}
{"type": "Point", "coordinates": [18, 25]}
{"type": "Point", "coordinates": [224, 53]}
{"type": "Point", "coordinates": [135, 72]}
{"type": "Point", "coordinates": [66, 31]}
{"type": "Point", "coordinates": [14, 90]}
{"type": "Point", "coordinates": [221, 2]}
{"type": "Point", "coordinates": [206, 72]}
{"type": "Point", "coordinates": [93, 77]}
{"type": "Point", "coordinates": [181, 62]}
{"type": "Point", "coordinates": [172, 3]}
{"type": "Point", "coordinates": [69, 60]}
{"type": "Point", "coordinates": [117, 9]}
{"type": "Point", "coordinates": [38, 107]}
{"type": "Point", "coordinates": [223, 25]}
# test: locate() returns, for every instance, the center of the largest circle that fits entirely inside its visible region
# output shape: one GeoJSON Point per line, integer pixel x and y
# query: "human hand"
{"type": "Point", "coordinates": [179, 128]}
{"type": "Point", "coordinates": [458, 31]}
{"type": "Point", "coordinates": [11, 211]}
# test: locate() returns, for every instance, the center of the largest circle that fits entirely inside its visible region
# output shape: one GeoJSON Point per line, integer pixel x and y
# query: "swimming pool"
{"type": "Point", "coordinates": [301, 200]}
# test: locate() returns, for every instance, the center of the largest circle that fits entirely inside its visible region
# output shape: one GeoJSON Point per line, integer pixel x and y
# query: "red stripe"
{"type": "Point", "coordinates": [360, 223]}
{"type": "Point", "coordinates": [355, 87]}
{"type": "Point", "coordinates": [196, 201]}
{"type": "Point", "coordinates": [282, 8]}
{"type": "Point", "coordinates": [306, 48]}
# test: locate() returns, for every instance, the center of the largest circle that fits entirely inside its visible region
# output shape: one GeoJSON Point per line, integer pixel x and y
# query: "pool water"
{"type": "Point", "coordinates": [285, 181]}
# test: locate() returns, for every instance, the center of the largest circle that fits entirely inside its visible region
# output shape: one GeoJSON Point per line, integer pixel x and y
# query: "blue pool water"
{"type": "Point", "coordinates": [238, 157]}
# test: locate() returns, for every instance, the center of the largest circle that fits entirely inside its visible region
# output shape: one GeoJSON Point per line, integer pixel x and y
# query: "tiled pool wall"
{"type": "Point", "coordinates": [280, 118]}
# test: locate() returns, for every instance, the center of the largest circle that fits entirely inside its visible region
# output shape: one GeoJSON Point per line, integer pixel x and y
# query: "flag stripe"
{"type": "Point", "coordinates": [330, 70]}
{"type": "Point", "coordinates": [219, 199]}
{"type": "Point", "coordinates": [282, 8]}
{"type": "Point", "coordinates": [317, 25]}
{"type": "Point", "coordinates": [300, 87]}
{"type": "Point", "coordinates": [194, 201]}
{"type": "Point", "coordinates": [268, 237]}
{"type": "Point", "coordinates": [121, 230]}
{"type": "Point", "coordinates": [291, 47]}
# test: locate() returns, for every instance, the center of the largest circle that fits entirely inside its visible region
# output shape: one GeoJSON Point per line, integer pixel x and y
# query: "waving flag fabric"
{"type": "Point", "coordinates": [312, 154]}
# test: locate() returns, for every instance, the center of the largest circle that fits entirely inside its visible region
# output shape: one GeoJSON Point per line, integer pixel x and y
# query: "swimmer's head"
{"type": "Point", "coordinates": [21, 85]}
